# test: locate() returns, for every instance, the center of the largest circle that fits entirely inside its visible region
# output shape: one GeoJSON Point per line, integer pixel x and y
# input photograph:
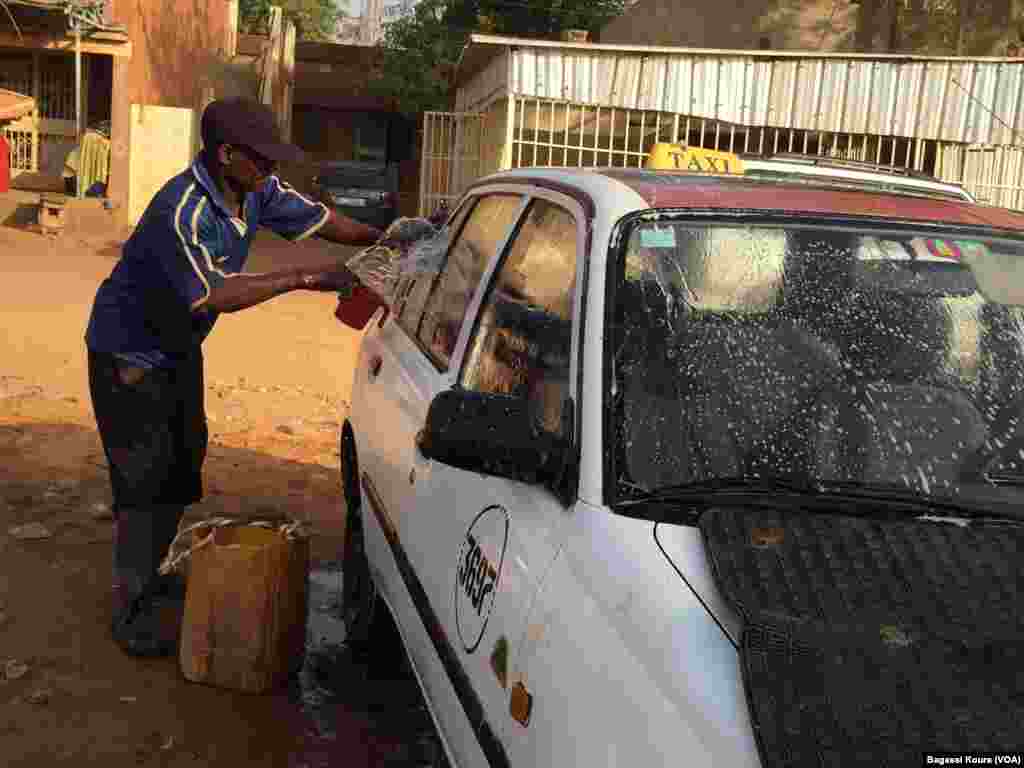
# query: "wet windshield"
{"type": "Point", "coordinates": [819, 355]}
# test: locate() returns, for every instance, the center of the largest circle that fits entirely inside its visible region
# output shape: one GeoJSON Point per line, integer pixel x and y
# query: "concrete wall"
{"type": "Point", "coordinates": [178, 49]}
{"type": "Point", "coordinates": [737, 24]}
{"type": "Point", "coordinates": [163, 143]}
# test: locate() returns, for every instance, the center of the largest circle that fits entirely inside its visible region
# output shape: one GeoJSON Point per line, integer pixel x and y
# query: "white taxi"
{"type": "Point", "coordinates": [680, 468]}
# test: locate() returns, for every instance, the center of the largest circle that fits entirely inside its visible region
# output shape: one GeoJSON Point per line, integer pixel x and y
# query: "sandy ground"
{"type": "Point", "coordinates": [278, 380]}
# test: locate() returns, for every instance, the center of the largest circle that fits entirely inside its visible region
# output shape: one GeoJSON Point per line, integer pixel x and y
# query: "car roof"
{"type": "Point", "coordinates": [622, 190]}
{"type": "Point", "coordinates": [852, 173]}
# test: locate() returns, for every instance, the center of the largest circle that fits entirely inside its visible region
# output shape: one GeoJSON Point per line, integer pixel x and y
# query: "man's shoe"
{"type": "Point", "coordinates": [148, 628]}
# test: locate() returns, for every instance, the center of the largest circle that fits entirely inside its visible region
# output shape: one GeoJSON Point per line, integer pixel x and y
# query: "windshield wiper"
{"type": "Point", "coordinates": [857, 499]}
{"type": "Point", "coordinates": [702, 489]}
{"type": "Point", "coordinates": [1009, 479]}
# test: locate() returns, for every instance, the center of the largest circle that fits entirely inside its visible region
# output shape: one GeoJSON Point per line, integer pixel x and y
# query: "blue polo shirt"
{"type": "Point", "coordinates": [186, 243]}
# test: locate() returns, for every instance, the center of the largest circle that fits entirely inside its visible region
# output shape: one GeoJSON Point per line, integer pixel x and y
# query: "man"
{"type": "Point", "coordinates": [180, 269]}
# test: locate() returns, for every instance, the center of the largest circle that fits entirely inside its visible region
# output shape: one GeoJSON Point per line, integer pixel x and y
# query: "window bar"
{"type": "Point", "coordinates": [760, 150]}
{"type": "Point", "coordinates": [552, 133]}
{"type": "Point", "coordinates": [892, 160]}
{"type": "Point", "coordinates": [1020, 180]}
{"type": "Point", "coordinates": [675, 129]}
{"type": "Point", "coordinates": [597, 135]}
{"type": "Point", "coordinates": [702, 128]}
{"type": "Point", "coordinates": [536, 128]}
{"type": "Point", "coordinates": [611, 137]}
{"type": "Point", "coordinates": [625, 141]}
{"type": "Point", "coordinates": [718, 134]}
{"type": "Point", "coordinates": [582, 125]}
{"type": "Point", "coordinates": [657, 127]}
{"type": "Point", "coordinates": [835, 145]}
{"type": "Point", "coordinates": [565, 136]}
{"type": "Point", "coordinates": [643, 131]}
{"type": "Point", "coordinates": [732, 137]}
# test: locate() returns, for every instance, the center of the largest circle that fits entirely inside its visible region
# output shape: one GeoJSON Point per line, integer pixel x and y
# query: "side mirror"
{"type": "Point", "coordinates": [491, 434]}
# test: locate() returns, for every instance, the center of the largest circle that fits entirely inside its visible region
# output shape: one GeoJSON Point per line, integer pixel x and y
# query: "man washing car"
{"type": "Point", "coordinates": [181, 268]}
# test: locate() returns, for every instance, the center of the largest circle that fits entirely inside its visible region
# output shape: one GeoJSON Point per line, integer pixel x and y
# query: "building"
{"type": "Point", "coordinates": [146, 53]}
{"type": "Point", "coordinates": [546, 103]}
{"type": "Point", "coordinates": [337, 118]}
{"type": "Point", "coordinates": [378, 13]}
{"type": "Point", "coordinates": [346, 30]}
{"type": "Point", "coordinates": [804, 25]}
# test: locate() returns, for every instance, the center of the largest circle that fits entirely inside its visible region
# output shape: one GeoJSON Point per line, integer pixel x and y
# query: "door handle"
{"type": "Point", "coordinates": [375, 364]}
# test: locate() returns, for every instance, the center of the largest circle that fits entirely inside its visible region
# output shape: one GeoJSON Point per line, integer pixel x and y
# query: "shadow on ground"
{"type": "Point", "coordinates": [80, 701]}
{"type": "Point", "coordinates": [23, 216]}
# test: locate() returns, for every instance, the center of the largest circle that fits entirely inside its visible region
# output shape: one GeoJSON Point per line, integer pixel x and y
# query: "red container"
{"type": "Point", "coordinates": [355, 312]}
{"type": "Point", "coordinates": [5, 165]}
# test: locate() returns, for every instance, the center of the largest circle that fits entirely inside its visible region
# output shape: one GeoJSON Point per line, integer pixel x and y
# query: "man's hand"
{"type": "Point", "coordinates": [337, 278]}
{"type": "Point", "coordinates": [245, 290]}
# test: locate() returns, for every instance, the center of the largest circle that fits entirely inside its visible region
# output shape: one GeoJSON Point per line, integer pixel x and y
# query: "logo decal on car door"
{"type": "Point", "coordinates": [478, 573]}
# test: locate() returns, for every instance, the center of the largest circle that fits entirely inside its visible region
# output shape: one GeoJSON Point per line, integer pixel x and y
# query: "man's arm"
{"type": "Point", "coordinates": [243, 291]}
{"type": "Point", "coordinates": [342, 229]}
{"type": "Point", "coordinates": [294, 216]}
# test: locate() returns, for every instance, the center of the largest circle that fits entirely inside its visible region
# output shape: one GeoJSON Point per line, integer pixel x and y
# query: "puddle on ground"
{"type": "Point", "coordinates": [353, 712]}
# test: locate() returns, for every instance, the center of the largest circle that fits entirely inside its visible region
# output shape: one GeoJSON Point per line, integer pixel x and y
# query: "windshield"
{"type": "Point", "coordinates": [818, 355]}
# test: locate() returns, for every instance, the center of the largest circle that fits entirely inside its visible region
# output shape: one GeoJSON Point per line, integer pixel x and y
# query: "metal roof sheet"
{"type": "Point", "coordinates": [969, 100]}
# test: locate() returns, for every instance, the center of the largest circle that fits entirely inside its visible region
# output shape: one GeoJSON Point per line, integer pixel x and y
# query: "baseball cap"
{"type": "Point", "coordinates": [246, 123]}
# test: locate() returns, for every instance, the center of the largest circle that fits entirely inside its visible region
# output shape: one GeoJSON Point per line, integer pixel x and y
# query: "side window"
{"type": "Point", "coordinates": [475, 245]}
{"type": "Point", "coordinates": [413, 293]}
{"type": "Point", "coordinates": [521, 345]}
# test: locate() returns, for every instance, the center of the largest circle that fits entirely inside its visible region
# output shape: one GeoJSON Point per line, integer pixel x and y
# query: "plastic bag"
{"type": "Point", "coordinates": [426, 256]}
{"type": "Point", "coordinates": [415, 246]}
{"type": "Point", "coordinates": [377, 268]}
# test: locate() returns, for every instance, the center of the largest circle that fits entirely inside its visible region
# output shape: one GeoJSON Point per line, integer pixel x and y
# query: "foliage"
{"type": "Point", "coordinates": [421, 51]}
{"type": "Point", "coordinates": [941, 27]}
{"type": "Point", "coordinates": [313, 19]}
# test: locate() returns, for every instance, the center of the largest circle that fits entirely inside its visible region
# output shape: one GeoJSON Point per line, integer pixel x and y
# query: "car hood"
{"type": "Point", "coordinates": [860, 635]}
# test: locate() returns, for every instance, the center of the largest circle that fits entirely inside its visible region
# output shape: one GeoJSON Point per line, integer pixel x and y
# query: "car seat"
{"type": "Point", "coordinates": [655, 432]}
{"type": "Point", "coordinates": [898, 421]}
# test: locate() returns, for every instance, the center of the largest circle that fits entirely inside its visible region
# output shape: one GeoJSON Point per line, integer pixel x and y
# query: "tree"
{"type": "Point", "coordinates": [421, 51]}
{"type": "Point", "coordinates": [941, 27]}
{"type": "Point", "coordinates": [313, 19]}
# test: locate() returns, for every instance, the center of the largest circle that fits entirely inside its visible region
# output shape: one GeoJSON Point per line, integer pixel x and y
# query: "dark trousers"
{"type": "Point", "coordinates": [153, 427]}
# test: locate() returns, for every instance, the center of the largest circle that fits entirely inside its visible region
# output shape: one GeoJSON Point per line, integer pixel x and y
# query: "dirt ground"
{"type": "Point", "coordinates": [278, 379]}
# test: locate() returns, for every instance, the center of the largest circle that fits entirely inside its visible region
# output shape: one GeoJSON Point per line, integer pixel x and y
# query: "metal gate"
{"type": "Point", "coordinates": [451, 157]}
{"type": "Point", "coordinates": [563, 134]}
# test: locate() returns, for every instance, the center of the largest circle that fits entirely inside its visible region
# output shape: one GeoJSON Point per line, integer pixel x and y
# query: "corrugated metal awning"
{"type": "Point", "coordinates": [969, 100]}
{"type": "Point", "coordinates": [15, 105]}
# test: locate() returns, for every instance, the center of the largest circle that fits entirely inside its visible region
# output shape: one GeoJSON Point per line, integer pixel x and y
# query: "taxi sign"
{"type": "Point", "coordinates": [678, 157]}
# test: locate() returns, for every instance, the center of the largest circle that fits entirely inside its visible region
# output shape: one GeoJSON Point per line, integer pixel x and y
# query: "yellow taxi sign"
{"type": "Point", "coordinates": [678, 157]}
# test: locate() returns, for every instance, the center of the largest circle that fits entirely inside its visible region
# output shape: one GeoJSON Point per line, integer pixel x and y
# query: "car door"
{"type": "Point", "coordinates": [393, 378]}
{"type": "Point", "coordinates": [484, 543]}
{"type": "Point", "coordinates": [408, 361]}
